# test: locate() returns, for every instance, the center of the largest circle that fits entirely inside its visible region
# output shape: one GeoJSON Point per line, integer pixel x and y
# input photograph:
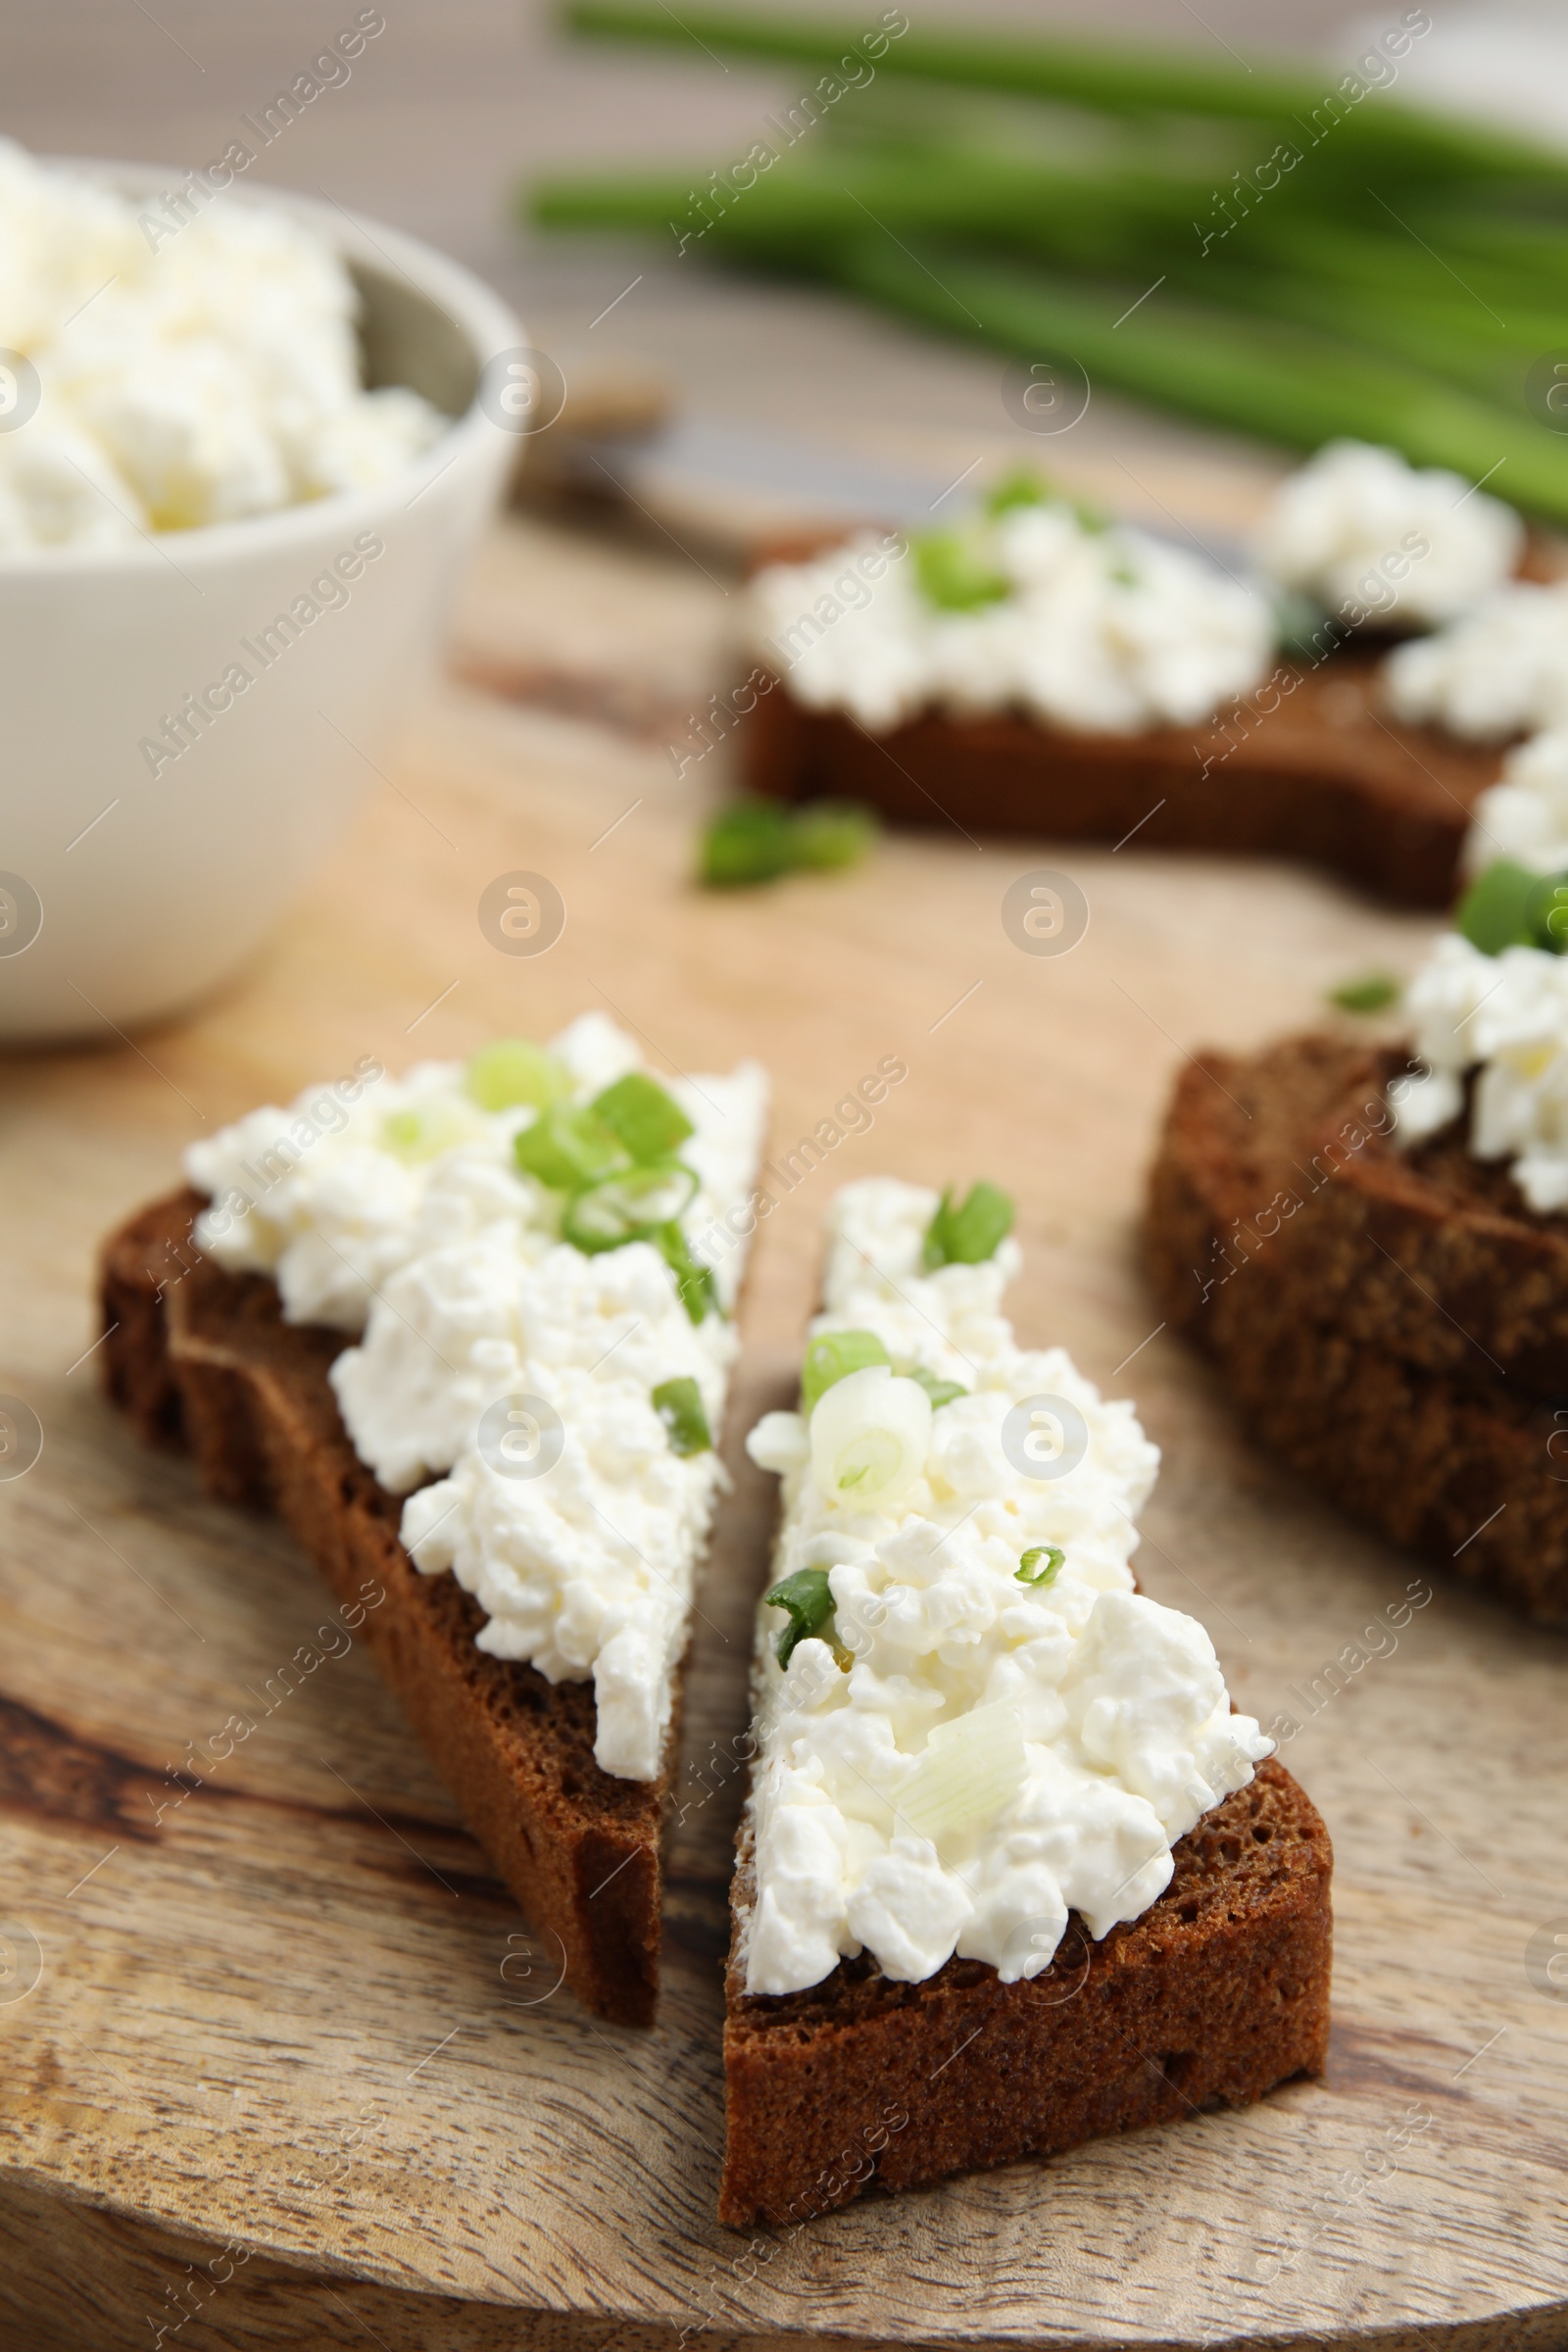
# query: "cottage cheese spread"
{"type": "Point", "coordinates": [1500, 670]}
{"type": "Point", "coordinates": [191, 381]}
{"type": "Point", "coordinates": [453, 1265]}
{"type": "Point", "coordinates": [996, 1754]}
{"type": "Point", "coordinates": [1101, 630]}
{"type": "Point", "coordinates": [1525, 815]}
{"type": "Point", "coordinates": [1506, 1017]}
{"type": "Point", "coordinates": [1358, 529]}
{"type": "Point", "coordinates": [320, 1198]}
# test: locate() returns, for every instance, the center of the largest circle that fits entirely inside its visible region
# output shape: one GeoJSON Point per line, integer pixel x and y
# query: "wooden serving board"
{"type": "Point", "coordinates": [281, 2056]}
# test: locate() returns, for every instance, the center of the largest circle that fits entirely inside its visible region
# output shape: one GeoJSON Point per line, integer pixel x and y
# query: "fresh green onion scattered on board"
{"type": "Point", "coordinates": [756, 840]}
{"type": "Point", "coordinates": [1296, 252]}
{"type": "Point", "coordinates": [1372, 992]}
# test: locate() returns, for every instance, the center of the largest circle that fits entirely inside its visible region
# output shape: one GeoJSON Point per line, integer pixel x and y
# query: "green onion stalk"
{"type": "Point", "coordinates": [1117, 81]}
{"type": "Point", "coordinates": [1397, 283]}
{"type": "Point", "coordinates": [1268, 377]}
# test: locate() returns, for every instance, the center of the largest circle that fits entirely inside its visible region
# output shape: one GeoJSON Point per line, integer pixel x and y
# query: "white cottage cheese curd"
{"type": "Point", "coordinates": [194, 380]}
{"type": "Point", "coordinates": [1360, 530]}
{"type": "Point", "coordinates": [997, 1754]}
{"type": "Point", "coordinates": [407, 1214]}
{"type": "Point", "coordinates": [320, 1198]}
{"type": "Point", "coordinates": [1525, 814]}
{"type": "Point", "coordinates": [1505, 1017]}
{"type": "Point", "coordinates": [1500, 670]}
{"type": "Point", "coordinates": [1099, 630]}
{"type": "Point", "coordinates": [475, 1318]}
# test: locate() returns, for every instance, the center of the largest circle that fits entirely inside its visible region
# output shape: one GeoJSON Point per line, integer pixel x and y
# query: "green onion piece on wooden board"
{"type": "Point", "coordinates": [756, 841]}
{"type": "Point", "coordinates": [750, 841]}
{"type": "Point", "coordinates": [1371, 992]}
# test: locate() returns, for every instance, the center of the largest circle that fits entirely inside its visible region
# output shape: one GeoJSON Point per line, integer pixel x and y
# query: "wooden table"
{"type": "Point", "coordinates": [290, 2062]}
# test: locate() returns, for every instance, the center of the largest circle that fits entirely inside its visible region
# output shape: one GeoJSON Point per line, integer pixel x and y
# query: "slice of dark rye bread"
{"type": "Point", "coordinates": [1308, 766]}
{"type": "Point", "coordinates": [201, 1357]}
{"type": "Point", "coordinates": [1214, 1995]}
{"type": "Point", "coordinates": [1393, 1324]}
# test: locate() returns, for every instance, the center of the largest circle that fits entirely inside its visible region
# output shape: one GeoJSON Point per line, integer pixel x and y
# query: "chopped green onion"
{"type": "Point", "coordinates": [871, 1460]}
{"type": "Point", "coordinates": [750, 841]}
{"type": "Point", "coordinates": [970, 1767]}
{"type": "Point", "coordinates": [832, 834]}
{"type": "Point", "coordinates": [834, 1353]}
{"type": "Point", "coordinates": [694, 1281]}
{"type": "Point", "coordinates": [1300, 624]}
{"type": "Point", "coordinates": [756, 840]}
{"type": "Point", "coordinates": [1147, 81]}
{"type": "Point", "coordinates": [1311, 320]}
{"type": "Point", "coordinates": [426, 1130]}
{"type": "Point", "coordinates": [647, 1121]}
{"type": "Point", "coordinates": [1494, 912]}
{"type": "Point", "coordinates": [940, 1392]}
{"type": "Point", "coordinates": [968, 1236]}
{"type": "Point", "coordinates": [869, 1437]}
{"type": "Point", "coordinates": [1020, 488]}
{"type": "Point", "coordinates": [807, 1597]}
{"type": "Point", "coordinates": [679, 1406]}
{"type": "Point", "coordinates": [1374, 992]}
{"type": "Point", "coordinates": [514, 1070]}
{"type": "Point", "coordinates": [1548, 913]}
{"type": "Point", "coordinates": [1029, 1570]}
{"type": "Point", "coordinates": [955, 572]}
{"type": "Point", "coordinates": [569, 1146]}
{"type": "Point", "coordinates": [628, 1207]}
{"type": "Point", "coordinates": [1297, 385]}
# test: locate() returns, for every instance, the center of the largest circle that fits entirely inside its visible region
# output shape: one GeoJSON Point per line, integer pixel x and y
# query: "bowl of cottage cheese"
{"type": "Point", "coordinates": [245, 448]}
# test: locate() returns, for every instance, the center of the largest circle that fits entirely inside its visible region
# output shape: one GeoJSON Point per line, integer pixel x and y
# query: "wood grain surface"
{"type": "Point", "coordinates": [278, 2053]}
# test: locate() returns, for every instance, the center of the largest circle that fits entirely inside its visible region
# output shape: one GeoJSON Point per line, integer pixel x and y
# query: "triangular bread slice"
{"type": "Point", "coordinates": [1211, 1996]}
{"type": "Point", "coordinates": [1216, 1994]}
{"type": "Point", "coordinates": [1308, 768]}
{"type": "Point", "coordinates": [201, 1357]}
{"type": "Point", "coordinates": [1395, 1324]}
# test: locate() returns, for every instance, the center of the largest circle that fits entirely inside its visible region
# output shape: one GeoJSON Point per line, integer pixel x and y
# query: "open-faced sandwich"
{"type": "Point", "coordinates": [1012, 1873]}
{"type": "Point", "coordinates": [1372, 1240]}
{"type": "Point", "coordinates": [1039, 668]}
{"type": "Point", "coordinates": [441, 1288]}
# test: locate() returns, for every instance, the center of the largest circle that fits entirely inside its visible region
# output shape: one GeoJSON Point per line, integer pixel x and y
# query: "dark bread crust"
{"type": "Point", "coordinates": [204, 1359]}
{"type": "Point", "coordinates": [1430, 1253]}
{"type": "Point", "coordinates": [1321, 775]}
{"type": "Point", "coordinates": [1217, 1994]}
{"type": "Point", "coordinates": [1401, 1334]}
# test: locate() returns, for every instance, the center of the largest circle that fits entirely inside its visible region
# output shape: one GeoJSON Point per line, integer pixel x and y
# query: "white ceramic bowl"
{"type": "Point", "coordinates": [154, 887]}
